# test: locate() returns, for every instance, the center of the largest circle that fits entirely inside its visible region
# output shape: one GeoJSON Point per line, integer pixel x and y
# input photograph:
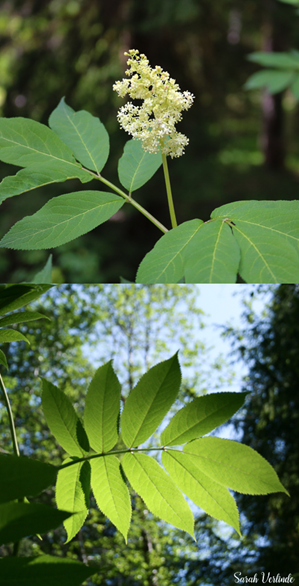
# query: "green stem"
{"type": "Point", "coordinates": [16, 450]}
{"type": "Point", "coordinates": [124, 451]}
{"type": "Point", "coordinates": [10, 418]}
{"type": "Point", "coordinates": [129, 199]}
{"type": "Point", "coordinates": [168, 191]}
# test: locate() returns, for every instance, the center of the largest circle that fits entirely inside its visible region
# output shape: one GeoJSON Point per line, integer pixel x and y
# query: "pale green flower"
{"type": "Point", "coordinates": [154, 121]}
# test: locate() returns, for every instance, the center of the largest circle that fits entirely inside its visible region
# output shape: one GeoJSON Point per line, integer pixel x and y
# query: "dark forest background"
{"type": "Point", "coordinates": [243, 145]}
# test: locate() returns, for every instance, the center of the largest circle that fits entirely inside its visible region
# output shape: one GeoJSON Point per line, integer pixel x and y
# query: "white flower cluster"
{"type": "Point", "coordinates": [154, 121]}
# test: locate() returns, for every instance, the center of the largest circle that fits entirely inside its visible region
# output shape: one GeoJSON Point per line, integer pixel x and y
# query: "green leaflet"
{"type": "Point", "coordinates": [213, 255]}
{"type": "Point", "coordinates": [62, 219]}
{"type": "Point", "coordinates": [72, 494]}
{"type": "Point", "coordinates": [268, 236]}
{"type": "Point", "coordinates": [28, 143]}
{"type": "Point", "coordinates": [284, 60]}
{"type": "Point", "coordinates": [45, 275]}
{"type": "Point", "coordinates": [21, 476]}
{"type": "Point", "coordinates": [83, 133]}
{"type": "Point", "coordinates": [159, 492]}
{"type": "Point", "coordinates": [40, 175]}
{"type": "Point", "coordinates": [12, 336]}
{"type": "Point", "coordinates": [102, 406]}
{"type": "Point", "coordinates": [149, 401]}
{"type": "Point", "coordinates": [111, 492]}
{"type": "Point", "coordinates": [274, 80]}
{"type": "Point", "coordinates": [20, 317]}
{"type": "Point", "coordinates": [210, 496]}
{"type": "Point", "coordinates": [3, 360]}
{"type": "Point", "coordinates": [165, 262]}
{"type": "Point", "coordinates": [17, 520]}
{"type": "Point", "coordinates": [16, 296]}
{"type": "Point", "coordinates": [200, 417]}
{"type": "Point", "coordinates": [43, 570]}
{"type": "Point", "coordinates": [63, 420]}
{"type": "Point", "coordinates": [234, 465]}
{"type": "Point", "coordinates": [136, 166]}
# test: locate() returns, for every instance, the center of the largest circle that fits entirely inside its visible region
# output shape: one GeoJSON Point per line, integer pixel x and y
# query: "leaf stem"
{"type": "Point", "coordinates": [10, 418]}
{"type": "Point", "coordinates": [168, 190]}
{"type": "Point", "coordinates": [113, 452]}
{"type": "Point", "coordinates": [129, 199]}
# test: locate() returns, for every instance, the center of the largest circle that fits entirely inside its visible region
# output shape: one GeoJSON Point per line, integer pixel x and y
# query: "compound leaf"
{"type": "Point", "coordinates": [111, 492]}
{"type": "Point", "coordinates": [268, 236]}
{"type": "Point", "coordinates": [213, 255]}
{"type": "Point", "coordinates": [18, 520]}
{"type": "Point", "coordinates": [62, 219]}
{"type": "Point", "coordinates": [149, 401]}
{"type": "Point", "coordinates": [61, 419]}
{"type": "Point", "coordinates": [83, 133]}
{"type": "Point", "coordinates": [200, 417]}
{"type": "Point", "coordinates": [234, 465]}
{"type": "Point", "coordinates": [157, 489]}
{"type": "Point", "coordinates": [44, 569]}
{"type": "Point", "coordinates": [21, 476]}
{"type": "Point", "coordinates": [102, 406]}
{"type": "Point", "coordinates": [72, 494]}
{"type": "Point", "coordinates": [165, 262]}
{"type": "Point", "coordinates": [210, 496]}
{"type": "Point", "coordinates": [136, 166]}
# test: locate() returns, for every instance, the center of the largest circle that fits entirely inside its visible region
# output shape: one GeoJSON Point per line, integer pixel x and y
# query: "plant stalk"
{"type": "Point", "coordinates": [10, 418]}
{"type": "Point", "coordinates": [124, 451]}
{"type": "Point", "coordinates": [129, 199]}
{"type": "Point", "coordinates": [168, 191]}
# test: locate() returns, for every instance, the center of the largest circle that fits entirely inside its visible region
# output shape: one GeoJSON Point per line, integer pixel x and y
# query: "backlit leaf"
{"type": "Point", "coordinates": [165, 262]}
{"type": "Point", "coordinates": [102, 406]}
{"type": "Point", "coordinates": [72, 494]}
{"type": "Point", "coordinates": [200, 417]}
{"type": "Point", "coordinates": [62, 219]}
{"type": "Point", "coordinates": [83, 133]}
{"type": "Point", "coordinates": [157, 489]}
{"type": "Point", "coordinates": [61, 418]}
{"type": "Point", "coordinates": [210, 496]}
{"type": "Point", "coordinates": [21, 317]}
{"type": "Point", "coordinates": [234, 465]}
{"type": "Point", "coordinates": [137, 166]}
{"type": "Point", "coordinates": [16, 296]}
{"type": "Point", "coordinates": [7, 336]}
{"type": "Point", "coordinates": [21, 476]}
{"type": "Point", "coordinates": [3, 360]}
{"type": "Point", "coordinates": [275, 59]}
{"type": "Point", "coordinates": [149, 401]}
{"type": "Point", "coordinates": [18, 520]}
{"type": "Point", "coordinates": [212, 256]}
{"type": "Point", "coordinates": [111, 492]}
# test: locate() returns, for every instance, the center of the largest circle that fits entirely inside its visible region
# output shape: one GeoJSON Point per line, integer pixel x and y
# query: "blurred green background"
{"type": "Point", "coordinates": [243, 145]}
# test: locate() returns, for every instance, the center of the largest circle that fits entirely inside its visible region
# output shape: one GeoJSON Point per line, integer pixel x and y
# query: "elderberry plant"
{"type": "Point", "coordinates": [257, 240]}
